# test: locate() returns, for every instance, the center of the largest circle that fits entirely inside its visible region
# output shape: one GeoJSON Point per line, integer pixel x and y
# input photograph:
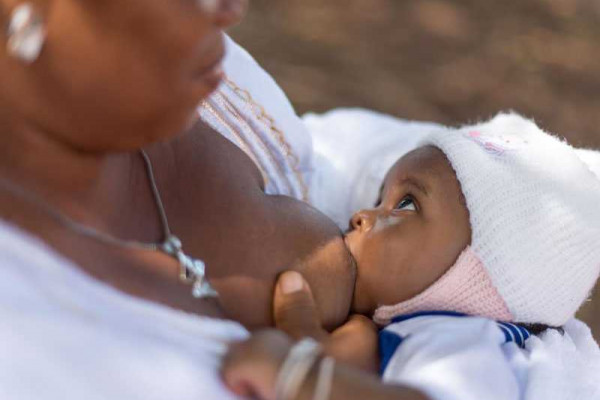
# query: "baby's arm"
{"type": "Point", "coordinates": [355, 344]}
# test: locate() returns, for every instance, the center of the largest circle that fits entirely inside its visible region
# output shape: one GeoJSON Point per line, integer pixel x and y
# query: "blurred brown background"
{"type": "Point", "coordinates": [446, 61]}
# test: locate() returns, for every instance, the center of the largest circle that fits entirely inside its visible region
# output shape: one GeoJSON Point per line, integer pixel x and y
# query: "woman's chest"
{"type": "Point", "coordinates": [216, 205]}
{"type": "Point", "coordinates": [212, 191]}
{"type": "Point", "coordinates": [215, 201]}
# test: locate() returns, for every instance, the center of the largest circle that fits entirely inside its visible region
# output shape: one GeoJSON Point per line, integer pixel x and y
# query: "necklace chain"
{"type": "Point", "coordinates": [192, 271]}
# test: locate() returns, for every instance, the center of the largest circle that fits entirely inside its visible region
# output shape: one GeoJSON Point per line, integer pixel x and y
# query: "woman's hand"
{"type": "Point", "coordinates": [295, 313]}
{"type": "Point", "coordinates": [250, 368]}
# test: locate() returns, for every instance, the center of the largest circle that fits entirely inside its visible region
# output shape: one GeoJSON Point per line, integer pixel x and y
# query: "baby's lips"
{"type": "Point", "coordinates": [348, 241]}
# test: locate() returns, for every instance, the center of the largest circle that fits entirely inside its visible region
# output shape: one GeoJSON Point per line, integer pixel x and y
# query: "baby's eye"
{"type": "Point", "coordinates": [406, 204]}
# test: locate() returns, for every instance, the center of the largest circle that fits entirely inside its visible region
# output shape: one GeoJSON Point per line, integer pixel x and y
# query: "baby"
{"type": "Point", "coordinates": [498, 220]}
{"type": "Point", "coordinates": [482, 237]}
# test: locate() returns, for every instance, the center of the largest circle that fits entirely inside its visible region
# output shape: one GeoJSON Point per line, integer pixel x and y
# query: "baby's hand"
{"type": "Point", "coordinates": [355, 343]}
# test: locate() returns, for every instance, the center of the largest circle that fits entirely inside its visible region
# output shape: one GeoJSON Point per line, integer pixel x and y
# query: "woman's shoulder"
{"type": "Point", "coordinates": [20, 252]}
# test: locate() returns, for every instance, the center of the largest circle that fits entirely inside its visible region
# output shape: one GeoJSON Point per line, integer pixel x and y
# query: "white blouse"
{"type": "Point", "coordinates": [64, 335]}
{"type": "Point", "coordinates": [251, 111]}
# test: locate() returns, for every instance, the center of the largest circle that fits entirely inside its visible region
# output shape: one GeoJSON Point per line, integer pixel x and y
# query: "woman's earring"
{"type": "Point", "coordinates": [26, 33]}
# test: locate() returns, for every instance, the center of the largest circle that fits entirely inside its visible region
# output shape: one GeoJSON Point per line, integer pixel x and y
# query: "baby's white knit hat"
{"type": "Point", "coordinates": [534, 204]}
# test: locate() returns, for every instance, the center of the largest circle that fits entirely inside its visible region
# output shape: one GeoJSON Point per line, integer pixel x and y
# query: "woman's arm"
{"type": "Point", "coordinates": [350, 383]}
{"type": "Point", "coordinates": [252, 368]}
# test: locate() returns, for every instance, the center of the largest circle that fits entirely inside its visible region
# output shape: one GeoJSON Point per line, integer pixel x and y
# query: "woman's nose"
{"type": "Point", "coordinates": [363, 221]}
{"type": "Point", "coordinates": [224, 12]}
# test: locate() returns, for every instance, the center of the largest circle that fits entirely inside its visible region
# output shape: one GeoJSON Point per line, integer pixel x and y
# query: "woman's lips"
{"type": "Point", "coordinates": [214, 70]}
{"type": "Point", "coordinates": [210, 54]}
{"type": "Point", "coordinates": [208, 79]}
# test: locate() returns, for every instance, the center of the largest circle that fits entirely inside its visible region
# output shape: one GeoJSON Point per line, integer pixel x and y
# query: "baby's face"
{"type": "Point", "coordinates": [413, 236]}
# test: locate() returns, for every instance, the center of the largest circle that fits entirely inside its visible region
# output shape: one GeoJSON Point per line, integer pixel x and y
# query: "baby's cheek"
{"type": "Point", "coordinates": [394, 277]}
{"type": "Point", "coordinates": [363, 301]}
{"type": "Point", "coordinates": [373, 288]}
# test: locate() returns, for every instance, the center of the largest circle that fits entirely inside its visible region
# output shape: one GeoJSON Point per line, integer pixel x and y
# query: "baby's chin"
{"type": "Point", "coordinates": [361, 304]}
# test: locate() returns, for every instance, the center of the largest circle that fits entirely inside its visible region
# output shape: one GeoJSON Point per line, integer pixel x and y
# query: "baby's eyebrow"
{"type": "Point", "coordinates": [410, 181]}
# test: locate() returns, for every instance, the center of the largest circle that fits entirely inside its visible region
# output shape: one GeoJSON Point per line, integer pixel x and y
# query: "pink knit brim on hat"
{"type": "Point", "coordinates": [466, 287]}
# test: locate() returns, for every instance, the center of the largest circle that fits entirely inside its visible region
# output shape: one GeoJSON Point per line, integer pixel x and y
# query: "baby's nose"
{"type": "Point", "coordinates": [363, 220]}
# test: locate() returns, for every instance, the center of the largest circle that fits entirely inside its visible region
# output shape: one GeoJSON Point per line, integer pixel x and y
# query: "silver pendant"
{"type": "Point", "coordinates": [193, 271]}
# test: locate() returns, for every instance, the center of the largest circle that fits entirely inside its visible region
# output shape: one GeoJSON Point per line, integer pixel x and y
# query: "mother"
{"type": "Point", "coordinates": [91, 301]}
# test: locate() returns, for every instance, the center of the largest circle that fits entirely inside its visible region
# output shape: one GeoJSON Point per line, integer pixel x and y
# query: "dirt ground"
{"type": "Point", "coordinates": [445, 61]}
